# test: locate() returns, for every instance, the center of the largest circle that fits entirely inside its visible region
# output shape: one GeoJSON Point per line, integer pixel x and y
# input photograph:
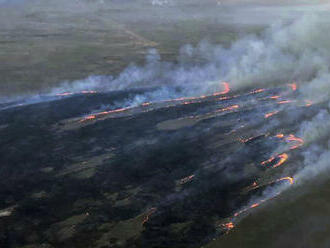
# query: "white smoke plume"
{"type": "Point", "coordinates": [298, 51]}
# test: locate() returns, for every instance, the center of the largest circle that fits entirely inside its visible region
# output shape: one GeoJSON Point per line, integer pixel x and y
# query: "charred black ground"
{"type": "Point", "coordinates": [161, 174]}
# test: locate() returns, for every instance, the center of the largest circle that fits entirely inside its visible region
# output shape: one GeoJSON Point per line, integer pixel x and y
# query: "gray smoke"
{"type": "Point", "coordinates": [298, 51]}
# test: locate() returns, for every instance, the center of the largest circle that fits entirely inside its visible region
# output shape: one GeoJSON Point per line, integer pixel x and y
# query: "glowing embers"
{"type": "Point", "coordinates": [276, 161]}
{"type": "Point", "coordinates": [270, 114]}
{"type": "Point", "coordinates": [150, 212]}
{"type": "Point", "coordinates": [227, 226]}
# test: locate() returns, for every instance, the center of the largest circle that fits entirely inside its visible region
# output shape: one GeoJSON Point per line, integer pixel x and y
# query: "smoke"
{"type": "Point", "coordinates": [316, 156]}
{"type": "Point", "coordinates": [298, 51]}
{"type": "Point", "coordinates": [160, 2]}
{"type": "Point", "coordinates": [8, 2]}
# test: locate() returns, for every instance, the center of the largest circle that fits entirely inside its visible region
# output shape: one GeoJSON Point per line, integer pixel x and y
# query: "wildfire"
{"type": "Point", "coordinates": [257, 204]}
{"type": "Point", "coordinates": [291, 138]}
{"type": "Point", "coordinates": [280, 135]}
{"type": "Point", "coordinates": [90, 117]}
{"type": "Point", "coordinates": [100, 114]}
{"type": "Point", "coordinates": [299, 141]}
{"type": "Point", "coordinates": [192, 98]}
{"type": "Point", "coordinates": [282, 158]}
{"type": "Point", "coordinates": [254, 205]}
{"type": "Point", "coordinates": [224, 98]}
{"type": "Point", "coordinates": [228, 226]}
{"type": "Point", "coordinates": [289, 179]}
{"type": "Point", "coordinates": [257, 91]}
{"type": "Point", "coordinates": [293, 86]}
{"type": "Point", "coordinates": [255, 185]}
{"type": "Point", "coordinates": [268, 161]}
{"type": "Point", "coordinates": [274, 97]}
{"type": "Point", "coordinates": [284, 102]}
{"type": "Point", "coordinates": [225, 91]}
{"type": "Point", "coordinates": [148, 214]}
{"type": "Point", "coordinates": [232, 107]}
{"type": "Point", "coordinates": [271, 114]}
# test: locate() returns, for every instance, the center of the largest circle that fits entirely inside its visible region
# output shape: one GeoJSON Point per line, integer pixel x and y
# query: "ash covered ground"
{"type": "Point", "coordinates": [223, 143]}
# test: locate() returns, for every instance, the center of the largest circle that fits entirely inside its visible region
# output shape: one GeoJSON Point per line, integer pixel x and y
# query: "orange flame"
{"type": "Point", "coordinates": [268, 161]}
{"type": "Point", "coordinates": [257, 204]}
{"type": "Point", "coordinates": [299, 141]}
{"type": "Point", "coordinates": [274, 97]}
{"type": "Point", "coordinates": [293, 86]}
{"type": "Point", "coordinates": [271, 114]}
{"type": "Point", "coordinates": [232, 107]}
{"type": "Point", "coordinates": [283, 157]}
{"type": "Point", "coordinates": [225, 91]}
{"type": "Point", "coordinates": [289, 179]}
{"type": "Point", "coordinates": [90, 117]}
{"type": "Point", "coordinates": [291, 138]}
{"type": "Point", "coordinates": [228, 226]}
{"type": "Point", "coordinates": [257, 186]}
{"type": "Point", "coordinates": [285, 101]}
{"type": "Point", "coordinates": [280, 135]}
{"type": "Point", "coordinates": [254, 205]}
{"type": "Point", "coordinates": [100, 114]}
{"type": "Point", "coordinates": [224, 98]}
